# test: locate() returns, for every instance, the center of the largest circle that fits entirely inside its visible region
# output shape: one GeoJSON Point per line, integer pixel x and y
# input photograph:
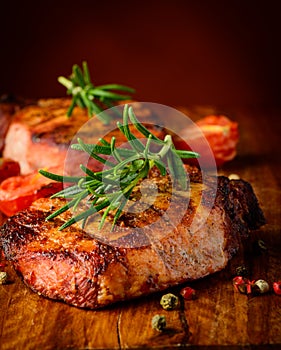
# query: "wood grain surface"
{"type": "Point", "coordinates": [218, 318]}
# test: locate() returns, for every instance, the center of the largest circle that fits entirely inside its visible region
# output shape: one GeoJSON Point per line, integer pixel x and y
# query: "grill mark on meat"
{"type": "Point", "coordinates": [86, 271]}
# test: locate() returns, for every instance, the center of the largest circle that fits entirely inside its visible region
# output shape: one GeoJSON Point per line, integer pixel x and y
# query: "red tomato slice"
{"type": "Point", "coordinates": [18, 192]}
{"type": "Point", "coordinates": [221, 134]}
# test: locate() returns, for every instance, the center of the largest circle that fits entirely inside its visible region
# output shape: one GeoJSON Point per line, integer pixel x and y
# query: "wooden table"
{"type": "Point", "coordinates": [218, 317]}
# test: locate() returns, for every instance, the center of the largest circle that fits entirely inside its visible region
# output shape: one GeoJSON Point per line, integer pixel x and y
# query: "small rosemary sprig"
{"type": "Point", "coordinates": [110, 189]}
{"type": "Point", "coordinates": [94, 98]}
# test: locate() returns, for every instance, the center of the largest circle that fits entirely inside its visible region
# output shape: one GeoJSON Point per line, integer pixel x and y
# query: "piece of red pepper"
{"type": "Point", "coordinates": [277, 287]}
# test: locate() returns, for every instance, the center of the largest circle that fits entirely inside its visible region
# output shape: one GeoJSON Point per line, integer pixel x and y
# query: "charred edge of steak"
{"type": "Point", "coordinates": [241, 204]}
{"type": "Point", "coordinates": [246, 204]}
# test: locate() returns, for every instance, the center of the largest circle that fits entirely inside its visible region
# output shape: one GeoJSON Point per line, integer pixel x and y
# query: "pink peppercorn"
{"type": "Point", "coordinates": [277, 287]}
{"type": "Point", "coordinates": [188, 293]}
{"type": "Point", "coordinates": [243, 285]}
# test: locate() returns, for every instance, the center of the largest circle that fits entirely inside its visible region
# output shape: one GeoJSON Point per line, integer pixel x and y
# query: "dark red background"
{"type": "Point", "coordinates": [217, 52]}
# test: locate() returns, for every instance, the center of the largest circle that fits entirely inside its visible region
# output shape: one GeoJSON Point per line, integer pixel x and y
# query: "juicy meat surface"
{"type": "Point", "coordinates": [160, 241]}
{"type": "Point", "coordinates": [40, 134]}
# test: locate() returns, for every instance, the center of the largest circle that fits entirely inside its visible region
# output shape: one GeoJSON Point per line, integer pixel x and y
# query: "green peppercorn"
{"type": "Point", "coordinates": [158, 322]}
{"type": "Point", "coordinates": [169, 301]}
{"type": "Point", "coordinates": [3, 277]}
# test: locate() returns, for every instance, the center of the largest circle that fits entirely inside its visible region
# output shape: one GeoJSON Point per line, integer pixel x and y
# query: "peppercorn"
{"type": "Point", "coordinates": [188, 293]}
{"type": "Point", "coordinates": [3, 277]}
{"type": "Point", "coordinates": [277, 287]}
{"type": "Point", "coordinates": [169, 301]}
{"type": "Point", "coordinates": [158, 322]}
{"type": "Point", "coordinates": [243, 285]}
{"type": "Point", "coordinates": [259, 247]}
{"type": "Point", "coordinates": [260, 287]}
{"type": "Point", "coordinates": [234, 177]}
{"type": "Point", "coordinates": [242, 271]}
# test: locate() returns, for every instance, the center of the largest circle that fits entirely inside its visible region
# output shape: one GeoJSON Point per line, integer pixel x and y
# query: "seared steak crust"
{"type": "Point", "coordinates": [146, 253]}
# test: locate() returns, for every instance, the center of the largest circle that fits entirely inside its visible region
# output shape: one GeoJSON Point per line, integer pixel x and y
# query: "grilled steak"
{"type": "Point", "coordinates": [154, 246]}
{"type": "Point", "coordinates": [44, 129]}
{"type": "Point", "coordinates": [6, 114]}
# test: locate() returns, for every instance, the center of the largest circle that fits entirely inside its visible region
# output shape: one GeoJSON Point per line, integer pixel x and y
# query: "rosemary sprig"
{"type": "Point", "coordinates": [94, 98]}
{"type": "Point", "coordinates": [110, 189]}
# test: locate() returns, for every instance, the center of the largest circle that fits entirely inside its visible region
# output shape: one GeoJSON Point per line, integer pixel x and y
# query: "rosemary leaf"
{"type": "Point", "coordinates": [72, 106]}
{"type": "Point", "coordinates": [67, 192]}
{"type": "Point", "coordinates": [59, 178]}
{"type": "Point", "coordinates": [91, 151]}
{"type": "Point", "coordinates": [78, 76]}
{"type": "Point", "coordinates": [161, 166]}
{"type": "Point", "coordinates": [141, 128]}
{"type": "Point", "coordinates": [108, 209]}
{"type": "Point", "coordinates": [114, 151]}
{"type": "Point", "coordinates": [61, 210]}
{"type": "Point", "coordinates": [187, 154]}
{"type": "Point", "coordinates": [104, 142]}
{"type": "Point", "coordinates": [124, 162]}
{"type": "Point", "coordinates": [79, 197]}
{"type": "Point", "coordinates": [121, 207]}
{"type": "Point", "coordinates": [65, 82]}
{"type": "Point", "coordinates": [85, 214]}
{"type": "Point", "coordinates": [87, 76]}
{"type": "Point", "coordinates": [110, 95]}
{"type": "Point", "coordinates": [177, 170]}
{"type": "Point", "coordinates": [116, 87]}
{"type": "Point", "coordinates": [135, 143]}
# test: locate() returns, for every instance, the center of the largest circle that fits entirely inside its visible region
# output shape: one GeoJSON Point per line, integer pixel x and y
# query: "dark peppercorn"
{"type": "Point", "coordinates": [259, 247]}
{"type": "Point", "coordinates": [242, 271]}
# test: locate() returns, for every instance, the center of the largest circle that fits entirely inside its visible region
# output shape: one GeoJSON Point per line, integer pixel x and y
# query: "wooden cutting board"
{"type": "Point", "coordinates": [218, 317]}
